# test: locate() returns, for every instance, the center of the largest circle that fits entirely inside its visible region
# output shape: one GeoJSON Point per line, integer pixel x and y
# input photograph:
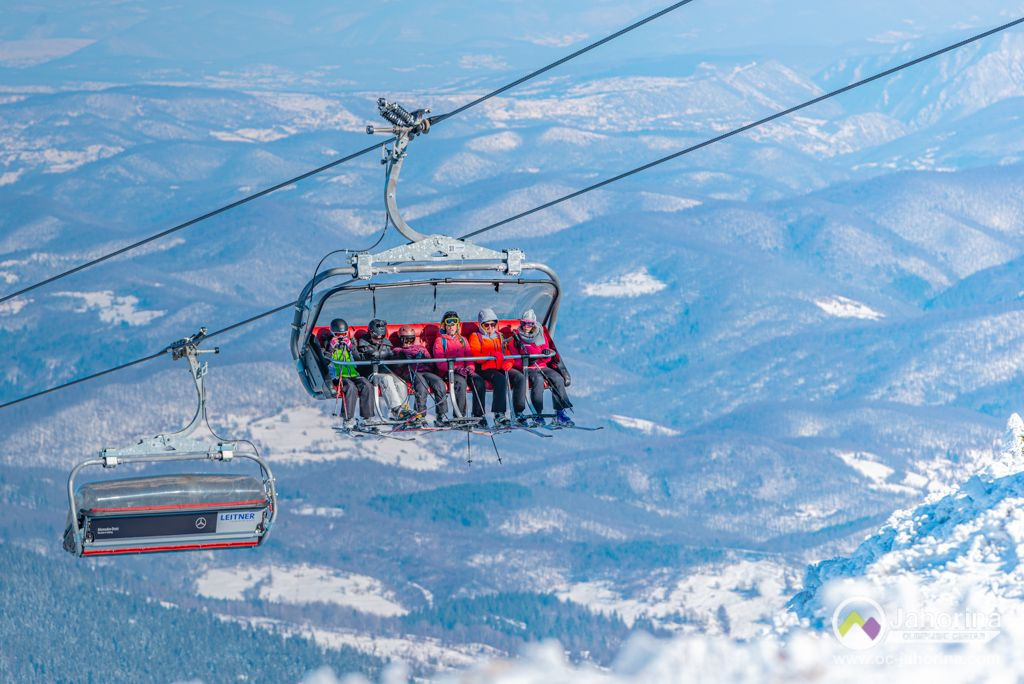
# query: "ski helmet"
{"type": "Point", "coordinates": [405, 332]}
{"type": "Point", "coordinates": [378, 328]}
{"type": "Point", "coordinates": [339, 326]}
{"type": "Point", "coordinates": [449, 315]}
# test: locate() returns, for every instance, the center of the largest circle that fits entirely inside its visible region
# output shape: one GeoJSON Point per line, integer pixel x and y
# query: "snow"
{"type": "Point", "coordinates": [300, 584]}
{"type": "Point", "coordinates": [304, 434]}
{"type": "Point", "coordinates": [319, 511]}
{"type": "Point", "coordinates": [465, 167]}
{"type": "Point", "coordinates": [13, 306]}
{"type": "Point", "coordinates": [540, 520]}
{"type": "Point", "coordinates": [866, 465]}
{"type": "Point", "coordinates": [648, 427]}
{"type": "Point", "coordinates": [956, 554]}
{"type": "Point", "coordinates": [633, 284]}
{"type": "Point", "coordinates": [667, 203]}
{"type": "Point", "coordinates": [572, 136]}
{"type": "Point", "coordinates": [62, 161]}
{"type": "Point", "coordinates": [358, 221]}
{"type": "Point", "coordinates": [946, 574]}
{"type": "Point", "coordinates": [312, 112]}
{"type": "Point", "coordinates": [426, 651]}
{"type": "Point", "coordinates": [749, 592]}
{"type": "Point", "coordinates": [114, 309]}
{"type": "Point", "coordinates": [842, 307]}
{"type": "Point", "coordinates": [555, 219]}
{"type": "Point", "coordinates": [254, 135]}
{"type": "Point", "coordinates": [229, 584]}
{"type": "Point", "coordinates": [499, 142]}
{"type": "Point", "coordinates": [10, 177]}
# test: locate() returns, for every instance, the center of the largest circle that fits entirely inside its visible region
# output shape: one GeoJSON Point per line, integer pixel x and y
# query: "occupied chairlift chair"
{"type": "Point", "coordinates": [450, 264]}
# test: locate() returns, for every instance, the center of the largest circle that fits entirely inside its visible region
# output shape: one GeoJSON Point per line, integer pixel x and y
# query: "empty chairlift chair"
{"type": "Point", "coordinates": [175, 512]}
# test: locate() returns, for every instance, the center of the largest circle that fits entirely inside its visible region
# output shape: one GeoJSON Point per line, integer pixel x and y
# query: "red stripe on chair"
{"type": "Point", "coordinates": [179, 547]}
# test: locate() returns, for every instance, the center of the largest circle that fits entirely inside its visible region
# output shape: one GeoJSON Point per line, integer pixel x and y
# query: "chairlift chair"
{"type": "Point", "coordinates": [180, 512]}
{"type": "Point", "coordinates": [412, 284]}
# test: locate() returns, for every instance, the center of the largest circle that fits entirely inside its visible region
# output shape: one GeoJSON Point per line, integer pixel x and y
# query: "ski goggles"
{"type": "Point", "coordinates": [489, 324]}
{"type": "Point", "coordinates": [451, 321]}
{"type": "Point", "coordinates": [407, 339]}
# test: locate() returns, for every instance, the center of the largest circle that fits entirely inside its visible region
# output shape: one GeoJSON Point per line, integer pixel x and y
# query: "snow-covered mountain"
{"type": "Point", "coordinates": [946, 574]}
{"type": "Point", "coordinates": [786, 336]}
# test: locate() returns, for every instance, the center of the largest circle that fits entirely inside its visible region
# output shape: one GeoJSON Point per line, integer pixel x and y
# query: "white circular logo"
{"type": "Point", "coordinates": [200, 523]}
{"type": "Point", "coordinates": [859, 623]}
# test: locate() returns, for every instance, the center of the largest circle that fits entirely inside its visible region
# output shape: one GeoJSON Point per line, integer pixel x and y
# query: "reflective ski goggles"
{"type": "Point", "coordinates": [489, 324]}
{"type": "Point", "coordinates": [451, 321]}
{"type": "Point", "coordinates": [527, 324]}
{"type": "Point", "coordinates": [407, 339]}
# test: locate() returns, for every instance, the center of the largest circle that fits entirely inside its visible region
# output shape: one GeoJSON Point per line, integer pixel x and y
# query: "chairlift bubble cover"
{"type": "Point", "coordinates": [170, 513]}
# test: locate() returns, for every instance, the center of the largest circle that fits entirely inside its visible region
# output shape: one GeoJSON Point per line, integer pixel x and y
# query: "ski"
{"type": "Point", "coordinates": [573, 427]}
{"type": "Point", "coordinates": [370, 432]}
{"type": "Point", "coordinates": [532, 431]}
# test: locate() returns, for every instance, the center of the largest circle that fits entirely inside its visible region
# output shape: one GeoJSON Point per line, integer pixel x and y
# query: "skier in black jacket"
{"type": "Point", "coordinates": [375, 346]}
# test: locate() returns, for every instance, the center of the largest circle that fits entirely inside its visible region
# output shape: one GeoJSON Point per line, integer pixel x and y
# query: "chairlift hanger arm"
{"type": "Point", "coordinates": [405, 126]}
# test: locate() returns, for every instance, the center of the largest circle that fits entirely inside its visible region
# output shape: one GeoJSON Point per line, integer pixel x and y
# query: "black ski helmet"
{"type": "Point", "coordinates": [378, 328]}
{"type": "Point", "coordinates": [339, 326]}
{"type": "Point", "coordinates": [449, 315]}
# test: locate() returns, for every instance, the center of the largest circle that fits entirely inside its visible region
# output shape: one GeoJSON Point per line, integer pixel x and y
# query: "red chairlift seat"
{"type": "Point", "coordinates": [427, 334]}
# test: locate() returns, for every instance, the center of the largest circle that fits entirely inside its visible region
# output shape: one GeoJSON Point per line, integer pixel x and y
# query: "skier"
{"type": "Point", "coordinates": [421, 376]}
{"type": "Point", "coordinates": [529, 341]}
{"type": "Point", "coordinates": [499, 371]}
{"type": "Point", "coordinates": [375, 346]}
{"type": "Point", "coordinates": [451, 344]}
{"type": "Point", "coordinates": [348, 384]}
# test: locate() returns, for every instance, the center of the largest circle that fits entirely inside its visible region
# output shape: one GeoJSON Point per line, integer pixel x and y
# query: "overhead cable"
{"type": "Point", "coordinates": [336, 162]}
{"type": "Point", "coordinates": [747, 127]}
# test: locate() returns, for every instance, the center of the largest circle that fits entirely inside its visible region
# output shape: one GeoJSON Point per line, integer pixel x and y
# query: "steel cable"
{"type": "Point", "coordinates": [687, 150]}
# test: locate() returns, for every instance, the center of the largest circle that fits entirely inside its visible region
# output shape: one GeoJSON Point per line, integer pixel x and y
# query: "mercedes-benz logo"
{"type": "Point", "coordinates": [200, 523]}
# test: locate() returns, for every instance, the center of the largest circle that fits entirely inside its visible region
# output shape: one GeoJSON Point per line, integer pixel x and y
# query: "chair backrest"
{"type": "Point", "coordinates": [427, 332]}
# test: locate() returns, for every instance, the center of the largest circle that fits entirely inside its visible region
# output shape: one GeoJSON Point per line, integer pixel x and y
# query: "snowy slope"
{"type": "Point", "coordinates": [946, 572]}
{"type": "Point", "coordinates": [957, 552]}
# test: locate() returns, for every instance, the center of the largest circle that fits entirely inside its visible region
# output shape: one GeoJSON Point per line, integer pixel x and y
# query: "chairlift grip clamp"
{"type": "Point", "coordinates": [514, 261]}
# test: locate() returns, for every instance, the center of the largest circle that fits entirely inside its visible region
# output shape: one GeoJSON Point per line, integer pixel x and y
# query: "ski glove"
{"type": "Point", "coordinates": [565, 375]}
